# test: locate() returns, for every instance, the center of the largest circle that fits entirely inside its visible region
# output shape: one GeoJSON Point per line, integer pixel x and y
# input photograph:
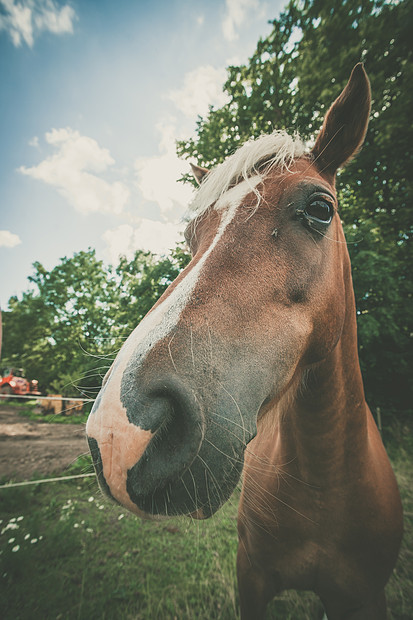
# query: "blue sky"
{"type": "Point", "coordinates": [93, 95]}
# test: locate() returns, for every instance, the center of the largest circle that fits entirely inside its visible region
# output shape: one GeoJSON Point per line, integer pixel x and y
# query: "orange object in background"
{"type": "Point", "coordinates": [13, 381]}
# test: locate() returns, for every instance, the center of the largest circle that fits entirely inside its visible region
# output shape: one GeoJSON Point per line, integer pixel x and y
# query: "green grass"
{"type": "Point", "coordinates": [29, 409]}
{"type": "Point", "coordinates": [68, 554]}
{"type": "Point", "coordinates": [80, 557]}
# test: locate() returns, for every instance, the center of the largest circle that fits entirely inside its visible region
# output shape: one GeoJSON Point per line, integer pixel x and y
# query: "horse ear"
{"type": "Point", "coordinates": [199, 173]}
{"type": "Point", "coordinates": [345, 125]}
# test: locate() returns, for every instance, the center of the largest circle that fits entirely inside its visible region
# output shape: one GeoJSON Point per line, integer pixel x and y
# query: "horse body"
{"type": "Point", "coordinates": [320, 509]}
{"type": "Point", "coordinates": [249, 361]}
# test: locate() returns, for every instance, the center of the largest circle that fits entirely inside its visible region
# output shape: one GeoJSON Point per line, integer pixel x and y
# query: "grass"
{"type": "Point", "coordinates": [29, 409]}
{"type": "Point", "coordinates": [74, 556]}
{"type": "Point", "coordinates": [65, 553]}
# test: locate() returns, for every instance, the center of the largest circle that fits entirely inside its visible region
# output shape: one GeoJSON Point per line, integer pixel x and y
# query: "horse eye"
{"type": "Point", "coordinates": [320, 210]}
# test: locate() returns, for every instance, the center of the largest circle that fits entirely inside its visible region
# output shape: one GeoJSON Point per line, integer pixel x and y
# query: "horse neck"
{"type": "Point", "coordinates": [323, 422]}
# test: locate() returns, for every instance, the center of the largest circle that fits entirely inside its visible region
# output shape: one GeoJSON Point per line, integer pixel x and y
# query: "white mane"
{"type": "Point", "coordinates": [277, 149]}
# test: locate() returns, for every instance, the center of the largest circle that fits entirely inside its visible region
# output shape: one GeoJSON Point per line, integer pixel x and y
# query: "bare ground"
{"type": "Point", "coordinates": [29, 448]}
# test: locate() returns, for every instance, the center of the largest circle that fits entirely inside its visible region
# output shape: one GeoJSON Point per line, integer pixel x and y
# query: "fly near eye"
{"type": "Point", "coordinates": [319, 209]}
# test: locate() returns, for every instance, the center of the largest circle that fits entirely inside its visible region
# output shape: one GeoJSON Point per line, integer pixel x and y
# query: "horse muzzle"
{"type": "Point", "coordinates": [155, 451]}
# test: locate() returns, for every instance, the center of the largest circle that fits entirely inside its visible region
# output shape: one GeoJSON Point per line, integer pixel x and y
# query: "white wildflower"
{"type": "Point", "coordinates": [10, 526]}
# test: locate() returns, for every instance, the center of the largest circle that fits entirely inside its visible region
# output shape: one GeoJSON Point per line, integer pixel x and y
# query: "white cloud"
{"type": "Point", "coordinates": [26, 19]}
{"type": "Point", "coordinates": [119, 242]}
{"type": "Point", "coordinates": [236, 14]}
{"type": "Point", "coordinates": [34, 142]}
{"type": "Point", "coordinates": [157, 237]}
{"type": "Point", "coordinates": [69, 171]}
{"type": "Point", "coordinates": [157, 176]}
{"type": "Point", "coordinates": [233, 61]}
{"type": "Point", "coordinates": [8, 239]}
{"type": "Point", "coordinates": [202, 87]}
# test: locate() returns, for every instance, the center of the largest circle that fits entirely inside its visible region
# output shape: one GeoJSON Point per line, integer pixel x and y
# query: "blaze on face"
{"type": "Point", "coordinates": [170, 426]}
{"type": "Point", "coordinates": [262, 299]}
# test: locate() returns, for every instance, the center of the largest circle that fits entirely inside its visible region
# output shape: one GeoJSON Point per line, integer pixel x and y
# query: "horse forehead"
{"type": "Point", "coordinates": [277, 176]}
{"type": "Point", "coordinates": [302, 170]}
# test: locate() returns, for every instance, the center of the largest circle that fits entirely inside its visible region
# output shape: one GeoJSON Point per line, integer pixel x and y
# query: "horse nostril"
{"type": "Point", "coordinates": [171, 411]}
{"type": "Point", "coordinates": [159, 411]}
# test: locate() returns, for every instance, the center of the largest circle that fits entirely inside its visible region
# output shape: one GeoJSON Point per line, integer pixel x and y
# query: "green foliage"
{"type": "Point", "coordinates": [290, 81]}
{"type": "Point", "coordinates": [30, 409]}
{"type": "Point", "coordinates": [142, 281]}
{"type": "Point", "coordinates": [55, 330]}
{"type": "Point", "coordinates": [66, 331]}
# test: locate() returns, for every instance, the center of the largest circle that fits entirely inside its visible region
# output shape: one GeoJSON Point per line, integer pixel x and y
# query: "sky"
{"type": "Point", "coordinates": [93, 96]}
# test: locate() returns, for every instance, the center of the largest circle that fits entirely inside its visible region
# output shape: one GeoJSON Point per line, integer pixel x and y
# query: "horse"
{"type": "Point", "coordinates": [248, 364]}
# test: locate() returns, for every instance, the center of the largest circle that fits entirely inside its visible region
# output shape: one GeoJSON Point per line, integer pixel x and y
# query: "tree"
{"type": "Point", "coordinates": [289, 82]}
{"type": "Point", "coordinates": [67, 330]}
{"type": "Point", "coordinates": [59, 329]}
{"type": "Point", "coordinates": [143, 280]}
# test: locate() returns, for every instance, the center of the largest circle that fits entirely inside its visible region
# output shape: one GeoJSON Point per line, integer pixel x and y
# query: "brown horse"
{"type": "Point", "coordinates": [249, 362]}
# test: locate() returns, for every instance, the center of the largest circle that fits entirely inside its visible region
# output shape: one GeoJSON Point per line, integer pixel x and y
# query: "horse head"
{"type": "Point", "coordinates": [263, 299]}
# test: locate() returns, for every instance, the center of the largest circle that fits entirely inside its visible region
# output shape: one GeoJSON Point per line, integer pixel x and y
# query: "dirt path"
{"type": "Point", "coordinates": [28, 447]}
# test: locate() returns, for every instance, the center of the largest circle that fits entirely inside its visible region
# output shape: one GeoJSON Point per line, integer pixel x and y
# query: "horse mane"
{"type": "Point", "coordinates": [256, 156]}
